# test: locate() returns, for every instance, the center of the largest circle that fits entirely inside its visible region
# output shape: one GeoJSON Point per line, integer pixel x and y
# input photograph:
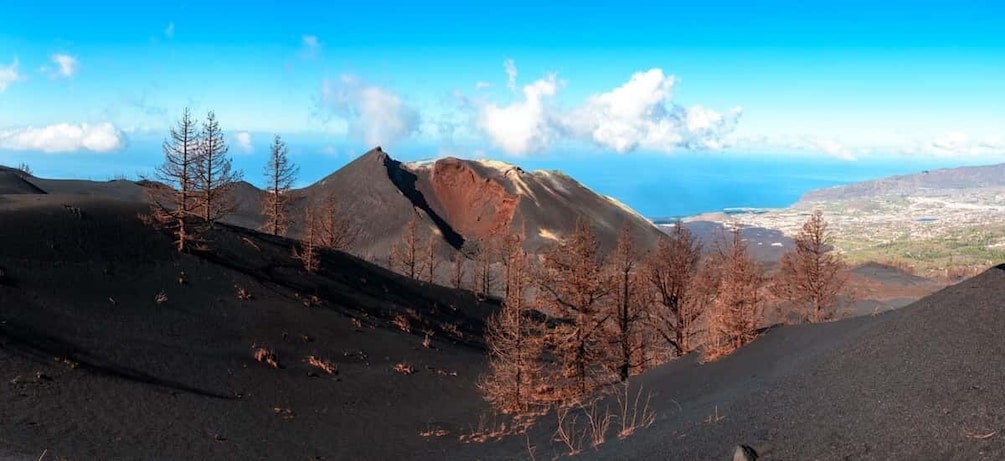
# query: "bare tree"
{"type": "Point", "coordinates": [575, 286]}
{"type": "Point", "coordinates": [308, 253]}
{"type": "Point", "coordinates": [175, 203]}
{"type": "Point", "coordinates": [23, 169]}
{"type": "Point", "coordinates": [514, 260]}
{"type": "Point", "coordinates": [812, 275]}
{"type": "Point", "coordinates": [671, 271]}
{"type": "Point", "coordinates": [432, 263]}
{"type": "Point", "coordinates": [214, 175]}
{"type": "Point", "coordinates": [406, 252]}
{"type": "Point", "coordinates": [335, 231]}
{"type": "Point", "coordinates": [739, 304]}
{"type": "Point", "coordinates": [515, 342]}
{"type": "Point", "coordinates": [457, 270]}
{"type": "Point", "coordinates": [483, 279]}
{"type": "Point", "coordinates": [629, 312]}
{"type": "Point", "coordinates": [280, 174]}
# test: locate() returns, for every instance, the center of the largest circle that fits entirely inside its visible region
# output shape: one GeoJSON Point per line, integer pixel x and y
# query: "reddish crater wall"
{"type": "Point", "coordinates": [475, 206]}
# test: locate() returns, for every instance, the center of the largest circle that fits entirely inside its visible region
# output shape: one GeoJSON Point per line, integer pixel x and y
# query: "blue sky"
{"type": "Point", "coordinates": [87, 88]}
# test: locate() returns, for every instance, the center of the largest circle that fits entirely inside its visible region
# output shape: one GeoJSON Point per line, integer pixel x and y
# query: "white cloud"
{"type": "Point", "coordinates": [523, 126]}
{"type": "Point", "coordinates": [169, 30]}
{"type": "Point", "coordinates": [641, 114]}
{"type": "Point", "coordinates": [482, 85]}
{"type": "Point", "coordinates": [242, 140]}
{"type": "Point", "coordinates": [311, 46]}
{"type": "Point", "coordinates": [510, 74]}
{"type": "Point", "coordinates": [329, 150]}
{"type": "Point", "coordinates": [375, 115]}
{"type": "Point", "coordinates": [8, 75]}
{"type": "Point", "coordinates": [64, 137]}
{"type": "Point", "coordinates": [68, 65]}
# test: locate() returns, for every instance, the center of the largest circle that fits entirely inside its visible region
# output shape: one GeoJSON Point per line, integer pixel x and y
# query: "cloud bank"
{"type": "Point", "coordinates": [64, 137]}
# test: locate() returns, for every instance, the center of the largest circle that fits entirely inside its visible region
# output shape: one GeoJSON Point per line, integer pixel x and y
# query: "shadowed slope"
{"type": "Point", "coordinates": [94, 366]}
{"type": "Point", "coordinates": [14, 181]}
{"type": "Point", "coordinates": [922, 382]}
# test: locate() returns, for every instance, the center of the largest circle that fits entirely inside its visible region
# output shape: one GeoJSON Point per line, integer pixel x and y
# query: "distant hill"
{"type": "Point", "coordinates": [460, 201]}
{"type": "Point", "coordinates": [972, 177]}
{"type": "Point", "coordinates": [470, 200]}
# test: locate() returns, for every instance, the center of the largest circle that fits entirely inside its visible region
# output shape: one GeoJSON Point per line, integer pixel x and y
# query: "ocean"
{"type": "Point", "coordinates": [681, 185]}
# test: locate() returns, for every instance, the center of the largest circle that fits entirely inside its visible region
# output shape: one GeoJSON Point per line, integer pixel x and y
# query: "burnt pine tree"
{"type": "Point", "coordinates": [811, 276]}
{"type": "Point", "coordinates": [214, 175]}
{"type": "Point", "coordinates": [279, 175]}
{"type": "Point", "coordinates": [335, 231]}
{"type": "Point", "coordinates": [739, 303]}
{"type": "Point", "coordinates": [671, 272]}
{"type": "Point", "coordinates": [628, 313]}
{"type": "Point", "coordinates": [175, 203]}
{"type": "Point", "coordinates": [483, 279]}
{"type": "Point", "coordinates": [515, 341]}
{"type": "Point", "coordinates": [406, 253]}
{"type": "Point", "coordinates": [457, 270]}
{"type": "Point", "coordinates": [432, 263]}
{"type": "Point", "coordinates": [308, 252]}
{"type": "Point", "coordinates": [574, 286]}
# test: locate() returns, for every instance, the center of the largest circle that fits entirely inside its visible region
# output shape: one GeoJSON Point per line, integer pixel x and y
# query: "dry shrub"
{"type": "Point", "coordinates": [160, 298]}
{"type": "Point", "coordinates": [434, 432]}
{"type": "Point", "coordinates": [427, 341]}
{"type": "Point", "coordinates": [631, 416]}
{"type": "Point", "coordinates": [267, 356]}
{"type": "Point", "coordinates": [284, 413]}
{"type": "Point", "coordinates": [402, 323]}
{"type": "Point", "coordinates": [568, 431]}
{"type": "Point", "coordinates": [242, 293]}
{"type": "Point", "coordinates": [324, 365]}
{"type": "Point", "coordinates": [404, 368]}
{"type": "Point", "coordinates": [310, 301]}
{"type": "Point", "coordinates": [453, 330]}
{"type": "Point", "coordinates": [496, 425]}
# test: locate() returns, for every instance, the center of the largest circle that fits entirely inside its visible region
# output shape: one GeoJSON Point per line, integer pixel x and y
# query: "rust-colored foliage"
{"type": "Point", "coordinates": [629, 312]}
{"type": "Point", "coordinates": [811, 276]}
{"type": "Point", "coordinates": [322, 364]}
{"type": "Point", "coordinates": [267, 356]}
{"type": "Point", "coordinates": [574, 286]}
{"type": "Point", "coordinates": [671, 273]}
{"type": "Point", "coordinates": [737, 309]}
{"type": "Point", "coordinates": [515, 341]}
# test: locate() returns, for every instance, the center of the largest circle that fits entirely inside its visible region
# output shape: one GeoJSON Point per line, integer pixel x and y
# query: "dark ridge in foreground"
{"type": "Point", "coordinates": [921, 382]}
{"type": "Point", "coordinates": [93, 366]}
